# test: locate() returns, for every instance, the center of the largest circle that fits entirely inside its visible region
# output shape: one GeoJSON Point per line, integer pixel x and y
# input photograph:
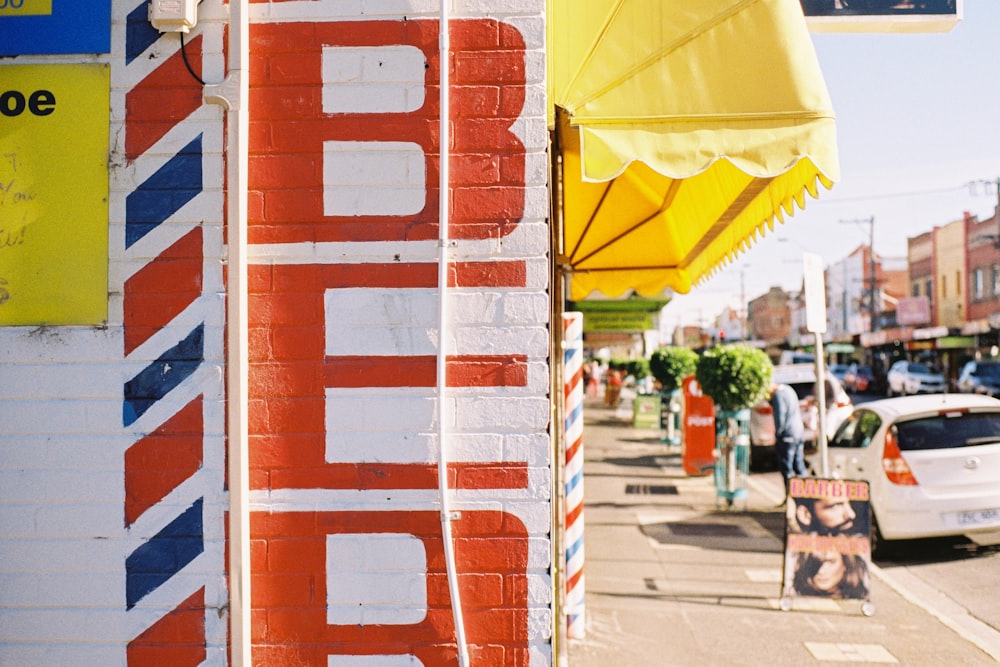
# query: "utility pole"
{"type": "Point", "coordinates": [873, 312]}
{"type": "Point", "coordinates": [745, 318]}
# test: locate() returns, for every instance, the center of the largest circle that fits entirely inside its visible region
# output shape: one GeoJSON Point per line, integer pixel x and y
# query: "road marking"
{"type": "Point", "coordinates": [850, 652]}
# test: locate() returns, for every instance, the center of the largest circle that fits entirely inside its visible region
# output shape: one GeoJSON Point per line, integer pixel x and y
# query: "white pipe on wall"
{"type": "Point", "coordinates": [444, 194]}
{"type": "Point", "coordinates": [232, 94]}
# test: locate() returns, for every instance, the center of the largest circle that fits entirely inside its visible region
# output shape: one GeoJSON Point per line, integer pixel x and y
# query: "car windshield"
{"type": "Point", "coordinates": [947, 431]}
{"type": "Point", "coordinates": [919, 368]}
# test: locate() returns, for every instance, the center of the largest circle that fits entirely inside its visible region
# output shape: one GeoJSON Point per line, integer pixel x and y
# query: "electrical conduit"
{"type": "Point", "coordinates": [444, 192]}
{"type": "Point", "coordinates": [232, 94]}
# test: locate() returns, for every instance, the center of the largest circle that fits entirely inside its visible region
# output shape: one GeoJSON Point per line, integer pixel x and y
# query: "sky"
{"type": "Point", "coordinates": [918, 134]}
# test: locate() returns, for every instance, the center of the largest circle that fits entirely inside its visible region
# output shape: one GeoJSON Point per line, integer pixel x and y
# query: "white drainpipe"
{"type": "Point", "coordinates": [232, 94]}
{"type": "Point", "coordinates": [444, 48]}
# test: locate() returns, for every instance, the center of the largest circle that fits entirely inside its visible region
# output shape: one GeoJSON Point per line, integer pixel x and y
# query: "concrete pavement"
{"type": "Point", "coordinates": [675, 577]}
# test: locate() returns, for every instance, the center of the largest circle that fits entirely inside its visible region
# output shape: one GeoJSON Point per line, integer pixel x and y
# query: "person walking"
{"type": "Point", "coordinates": [788, 432]}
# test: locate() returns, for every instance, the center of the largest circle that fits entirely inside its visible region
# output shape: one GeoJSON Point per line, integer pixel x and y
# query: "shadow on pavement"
{"type": "Point", "coordinates": [656, 461]}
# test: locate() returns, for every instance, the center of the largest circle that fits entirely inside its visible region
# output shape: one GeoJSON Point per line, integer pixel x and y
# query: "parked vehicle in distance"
{"type": "Point", "coordinates": [932, 463]}
{"type": "Point", "coordinates": [789, 357]}
{"type": "Point", "coordinates": [801, 378]}
{"type": "Point", "coordinates": [838, 371]}
{"type": "Point", "coordinates": [980, 377]}
{"type": "Point", "coordinates": [910, 377]}
{"type": "Point", "coordinates": [859, 379]}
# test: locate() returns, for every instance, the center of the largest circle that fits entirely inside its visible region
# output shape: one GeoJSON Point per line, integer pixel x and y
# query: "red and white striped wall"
{"type": "Point", "coordinates": [167, 240]}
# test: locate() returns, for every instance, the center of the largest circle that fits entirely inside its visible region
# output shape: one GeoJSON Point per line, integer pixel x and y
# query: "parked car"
{"type": "Point", "coordinates": [801, 378]}
{"type": "Point", "coordinates": [861, 379]}
{"type": "Point", "coordinates": [838, 371]}
{"type": "Point", "coordinates": [910, 377]}
{"type": "Point", "coordinates": [789, 357]}
{"type": "Point", "coordinates": [932, 463]}
{"type": "Point", "coordinates": [980, 377]}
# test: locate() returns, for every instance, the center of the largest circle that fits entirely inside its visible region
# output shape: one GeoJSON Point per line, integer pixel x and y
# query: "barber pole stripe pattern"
{"type": "Point", "coordinates": [171, 318]}
{"type": "Point", "coordinates": [573, 435]}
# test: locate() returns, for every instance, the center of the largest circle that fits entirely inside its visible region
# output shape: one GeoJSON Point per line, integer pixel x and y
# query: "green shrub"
{"type": "Point", "coordinates": [670, 365]}
{"type": "Point", "coordinates": [637, 368]}
{"type": "Point", "coordinates": [735, 377]}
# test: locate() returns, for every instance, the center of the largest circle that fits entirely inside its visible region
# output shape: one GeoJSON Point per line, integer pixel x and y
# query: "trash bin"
{"type": "Point", "coordinates": [646, 411]}
{"type": "Point", "coordinates": [732, 455]}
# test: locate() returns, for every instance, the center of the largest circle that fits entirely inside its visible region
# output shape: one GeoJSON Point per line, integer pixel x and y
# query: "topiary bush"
{"type": "Point", "coordinates": [638, 368]}
{"type": "Point", "coordinates": [735, 377]}
{"type": "Point", "coordinates": [670, 365]}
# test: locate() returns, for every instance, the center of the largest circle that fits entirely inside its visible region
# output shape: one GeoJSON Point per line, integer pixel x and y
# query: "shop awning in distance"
{"type": "Point", "coordinates": [686, 130]}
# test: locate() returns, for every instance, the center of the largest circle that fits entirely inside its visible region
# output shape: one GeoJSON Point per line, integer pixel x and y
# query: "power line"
{"type": "Point", "coordinates": [890, 195]}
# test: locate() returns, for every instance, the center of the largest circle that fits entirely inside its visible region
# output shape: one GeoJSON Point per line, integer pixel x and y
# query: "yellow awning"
{"type": "Point", "coordinates": [686, 127]}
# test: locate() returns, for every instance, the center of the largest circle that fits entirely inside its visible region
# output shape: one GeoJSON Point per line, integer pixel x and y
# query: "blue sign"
{"type": "Point", "coordinates": [43, 27]}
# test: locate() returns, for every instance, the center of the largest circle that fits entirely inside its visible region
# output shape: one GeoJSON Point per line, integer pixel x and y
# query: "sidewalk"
{"type": "Point", "coordinates": [673, 577]}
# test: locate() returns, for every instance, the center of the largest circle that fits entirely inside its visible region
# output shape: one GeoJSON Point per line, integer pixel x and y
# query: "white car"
{"type": "Point", "coordinates": [801, 378]}
{"type": "Point", "coordinates": [910, 377]}
{"type": "Point", "coordinates": [932, 463]}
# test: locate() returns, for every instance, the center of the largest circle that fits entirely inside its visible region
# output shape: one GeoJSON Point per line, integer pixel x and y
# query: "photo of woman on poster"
{"type": "Point", "coordinates": [831, 574]}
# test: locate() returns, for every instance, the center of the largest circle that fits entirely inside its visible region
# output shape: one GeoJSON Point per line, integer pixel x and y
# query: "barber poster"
{"type": "Point", "coordinates": [827, 539]}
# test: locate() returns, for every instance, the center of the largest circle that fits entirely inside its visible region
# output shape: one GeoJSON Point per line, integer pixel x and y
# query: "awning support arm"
{"type": "Point", "coordinates": [667, 201]}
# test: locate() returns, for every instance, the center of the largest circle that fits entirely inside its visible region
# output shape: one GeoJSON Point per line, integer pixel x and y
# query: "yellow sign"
{"type": "Point", "coordinates": [54, 126]}
{"type": "Point", "coordinates": [25, 7]}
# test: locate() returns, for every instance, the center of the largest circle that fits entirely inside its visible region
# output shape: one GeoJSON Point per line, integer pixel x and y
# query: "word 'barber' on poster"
{"type": "Point", "coordinates": [828, 488]}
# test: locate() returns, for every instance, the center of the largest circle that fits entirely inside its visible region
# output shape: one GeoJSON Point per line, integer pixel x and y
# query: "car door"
{"type": "Point", "coordinates": [850, 453]}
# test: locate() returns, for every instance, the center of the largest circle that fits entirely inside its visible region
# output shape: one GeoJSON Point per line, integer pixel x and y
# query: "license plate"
{"type": "Point", "coordinates": [978, 518]}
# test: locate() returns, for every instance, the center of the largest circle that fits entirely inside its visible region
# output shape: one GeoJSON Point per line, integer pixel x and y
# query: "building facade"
{"type": "Point", "coordinates": [983, 243]}
{"type": "Point", "coordinates": [950, 273]}
{"type": "Point", "coordinates": [770, 317]}
{"type": "Point", "coordinates": [114, 492]}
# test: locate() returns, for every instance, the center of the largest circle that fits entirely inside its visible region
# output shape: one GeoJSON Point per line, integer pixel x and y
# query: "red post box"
{"type": "Point", "coordinates": [698, 433]}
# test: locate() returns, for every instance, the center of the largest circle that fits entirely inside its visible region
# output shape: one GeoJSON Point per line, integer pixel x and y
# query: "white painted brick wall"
{"type": "Point", "coordinates": [62, 441]}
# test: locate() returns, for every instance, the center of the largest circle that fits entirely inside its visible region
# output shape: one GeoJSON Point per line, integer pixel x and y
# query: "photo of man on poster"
{"type": "Point", "coordinates": [827, 540]}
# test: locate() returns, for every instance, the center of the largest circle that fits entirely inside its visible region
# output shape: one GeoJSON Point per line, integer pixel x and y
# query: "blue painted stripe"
{"type": "Point", "coordinates": [160, 377]}
{"type": "Point", "coordinates": [571, 352]}
{"type": "Point", "coordinates": [163, 556]}
{"type": "Point", "coordinates": [164, 193]}
{"type": "Point", "coordinates": [571, 549]}
{"type": "Point", "coordinates": [139, 32]}
{"type": "Point", "coordinates": [574, 416]}
{"type": "Point", "coordinates": [573, 482]}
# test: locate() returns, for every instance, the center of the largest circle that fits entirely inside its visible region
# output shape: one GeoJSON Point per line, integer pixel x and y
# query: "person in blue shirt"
{"type": "Point", "coordinates": [789, 445]}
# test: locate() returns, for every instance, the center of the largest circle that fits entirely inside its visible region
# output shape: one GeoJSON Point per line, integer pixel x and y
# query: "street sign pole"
{"type": "Point", "coordinates": [815, 288]}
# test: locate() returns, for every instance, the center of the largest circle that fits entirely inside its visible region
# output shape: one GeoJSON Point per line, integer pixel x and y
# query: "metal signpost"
{"type": "Point", "coordinates": [815, 289]}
